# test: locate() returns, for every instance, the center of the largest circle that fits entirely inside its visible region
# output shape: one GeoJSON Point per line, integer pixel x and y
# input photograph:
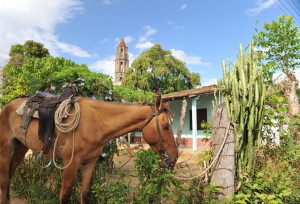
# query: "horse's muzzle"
{"type": "Point", "coordinates": [169, 163]}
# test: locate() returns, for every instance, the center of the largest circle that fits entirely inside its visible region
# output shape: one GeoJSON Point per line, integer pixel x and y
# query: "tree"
{"type": "Point", "coordinates": [157, 69]}
{"type": "Point", "coordinates": [280, 47]}
{"type": "Point", "coordinates": [46, 73]}
{"type": "Point", "coordinates": [30, 49]}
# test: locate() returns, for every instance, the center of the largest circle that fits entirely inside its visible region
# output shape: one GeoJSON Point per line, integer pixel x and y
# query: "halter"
{"type": "Point", "coordinates": [162, 150]}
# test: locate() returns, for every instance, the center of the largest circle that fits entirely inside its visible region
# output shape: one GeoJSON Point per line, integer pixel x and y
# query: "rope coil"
{"type": "Point", "coordinates": [63, 111]}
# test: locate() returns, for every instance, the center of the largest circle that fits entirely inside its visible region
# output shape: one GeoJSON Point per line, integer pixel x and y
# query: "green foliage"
{"type": "Point", "coordinates": [154, 179]}
{"type": "Point", "coordinates": [157, 185]}
{"type": "Point", "coordinates": [280, 46]}
{"type": "Point", "coordinates": [110, 192]}
{"type": "Point", "coordinates": [157, 69]}
{"type": "Point", "coordinates": [35, 183]}
{"type": "Point", "coordinates": [39, 74]}
{"type": "Point", "coordinates": [32, 182]}
{"type": "Point", "coordinates": [207, 130]}
{"type": "Point", "coordinates": [131, 95]}
{"type": "Point", "coordinates": [109, 150]}
{"type": "Point", "coordinates": [277, 177]}
{"type": "Point", "coordinates": [244, 94]}
{"type": "Point", "coordinates": [34, 49]}
{"type": "Point", "coordinates": [30, 49]}
{"type": "Point", "coordinates": [276, 118]}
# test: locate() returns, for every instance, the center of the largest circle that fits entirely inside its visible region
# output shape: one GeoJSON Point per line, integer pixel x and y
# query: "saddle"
{"type": "Point", "coordinates": [45, 104]}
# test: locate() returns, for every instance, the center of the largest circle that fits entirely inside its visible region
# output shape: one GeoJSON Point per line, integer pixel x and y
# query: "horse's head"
{"type": "Point", "coordinates": [159, 135]}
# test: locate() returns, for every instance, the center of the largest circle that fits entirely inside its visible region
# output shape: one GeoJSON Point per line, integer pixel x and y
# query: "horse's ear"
{"type": "Point", "coordinates": [158, 101]}
{"type": "Point", "coordinates": [168, 104]}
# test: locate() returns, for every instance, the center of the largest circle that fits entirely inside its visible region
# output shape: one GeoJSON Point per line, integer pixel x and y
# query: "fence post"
{"type": "Point", "coordinates": [223, 173]}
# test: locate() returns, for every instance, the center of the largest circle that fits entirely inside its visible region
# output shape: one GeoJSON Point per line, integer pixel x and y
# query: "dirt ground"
{"type": "Point", "coordinates": [187, 164]}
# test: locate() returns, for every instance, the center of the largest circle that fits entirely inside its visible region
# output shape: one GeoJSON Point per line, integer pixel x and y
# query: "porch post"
{"type": "Point", "coordinates": [194, 122]}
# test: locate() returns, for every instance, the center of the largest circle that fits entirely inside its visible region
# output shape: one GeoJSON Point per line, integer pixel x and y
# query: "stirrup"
{"type": "Point", "coordinates": [38, 158]}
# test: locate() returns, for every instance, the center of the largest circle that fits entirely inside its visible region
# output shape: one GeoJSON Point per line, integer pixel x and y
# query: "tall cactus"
{"type": "Point", "coordinates": [244, 94]}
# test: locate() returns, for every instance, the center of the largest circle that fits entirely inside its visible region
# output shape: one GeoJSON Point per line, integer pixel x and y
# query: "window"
{"type": "Point", "coordinates": [201, 116]}
{"type": "Point", "coordinates": [122, 67]}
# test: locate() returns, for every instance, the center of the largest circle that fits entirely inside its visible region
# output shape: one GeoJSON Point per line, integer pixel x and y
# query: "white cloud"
{"type": "Point", "coordinates": [143, 42]}
{"type": "Point", "coordinates": [208, 82]}
{"type": "Point", "coordinates": [144, 45]}
{"type": "Point", "coordinates": [184, 6]}
{"type": "Point", "coordinates": [104, 40]}
{"type": "Point", "coordinates": [150, 30]}
{"type": "Point", "coordinates": [37, 20]}
{"type": "Point", "coordinates": [105, 66]}
{"type": "Point", "coordinates": [128, 39]}
{"type": "Point", "coordinates": [176, 27]}
{"type": "Point", "coordinates": [260, 6]}
{"type": "Point", "coordinates": [142, 39]}
{"type": "Point", "coordinates": [74, 50]}
{"type": "Point", "coordinates": [107, 2]}
{"type": "Point", "coordinates": [170, 22]}
{"type": "Point", "coordinates": [188, 59]}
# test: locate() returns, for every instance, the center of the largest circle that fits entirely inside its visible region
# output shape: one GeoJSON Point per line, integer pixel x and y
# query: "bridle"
{"type": "Point", "coordinates": [162, 149]}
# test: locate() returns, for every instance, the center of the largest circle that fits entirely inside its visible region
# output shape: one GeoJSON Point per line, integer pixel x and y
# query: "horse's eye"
{"type": "Point", "coordinates": [165, 126]}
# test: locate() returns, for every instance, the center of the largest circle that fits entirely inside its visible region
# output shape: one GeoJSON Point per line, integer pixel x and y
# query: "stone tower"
{"type": "Point", "coordinates": [121, 61]}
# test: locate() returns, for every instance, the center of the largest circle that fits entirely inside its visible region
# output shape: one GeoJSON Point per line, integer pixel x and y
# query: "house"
{"type": "Point", "coordinates": [199, 108]}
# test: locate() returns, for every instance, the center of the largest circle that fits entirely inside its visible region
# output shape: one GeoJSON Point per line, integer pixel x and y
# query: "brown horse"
{"type": "Point", "coordinates": [99, 123]}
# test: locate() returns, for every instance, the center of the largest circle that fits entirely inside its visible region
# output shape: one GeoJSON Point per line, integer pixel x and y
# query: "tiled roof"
{"type": "Point", "coordinates": [190, 93]}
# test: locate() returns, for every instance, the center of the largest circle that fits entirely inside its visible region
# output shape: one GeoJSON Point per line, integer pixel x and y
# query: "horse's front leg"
{"type": "Point", "coordinates": [69, 176]}
{"type": "Point", "coordinates": [6, 152]}
{"type": "Point", "coordinates": [87, 174]}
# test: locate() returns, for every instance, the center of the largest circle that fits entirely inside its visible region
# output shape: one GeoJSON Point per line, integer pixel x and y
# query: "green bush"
{"type": "Point", "coordinates": [157, 185]}
{"type": "Point", "coordinates": [35, 183]}
{"type": "Point", "coordinates": [277, 178]}
{"type": "Point", "coordinates": [153, 177]}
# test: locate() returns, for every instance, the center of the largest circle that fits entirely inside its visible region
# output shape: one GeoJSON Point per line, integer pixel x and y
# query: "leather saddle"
{"type": "Point", "coordinates": [46, 105]}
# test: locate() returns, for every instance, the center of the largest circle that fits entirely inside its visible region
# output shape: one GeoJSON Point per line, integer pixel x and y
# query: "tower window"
{"type": "Point", "coordinates": [122, 67]}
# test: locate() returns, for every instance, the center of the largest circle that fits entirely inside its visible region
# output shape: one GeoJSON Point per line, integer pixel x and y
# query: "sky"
{"type": "Point", "coordinates": [200, 33]}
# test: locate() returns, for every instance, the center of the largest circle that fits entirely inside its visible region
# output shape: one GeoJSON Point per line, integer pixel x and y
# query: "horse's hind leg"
{"type": "Point", "coordinates": [87, 174]}
{"type": "Point", "coordinates": [18, 156]}
{"type": "Point", "coordinates": [19, 152]}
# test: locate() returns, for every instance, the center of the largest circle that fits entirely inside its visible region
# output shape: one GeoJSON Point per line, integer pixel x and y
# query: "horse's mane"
{"type": "Point", "coordinates": [164, 108]}
{"type": "Point", "coordinates": [20, 96]}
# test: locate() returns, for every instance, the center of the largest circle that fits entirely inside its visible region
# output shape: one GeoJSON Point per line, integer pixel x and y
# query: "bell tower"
{"type": "Point", "coordinates": [121, 61]}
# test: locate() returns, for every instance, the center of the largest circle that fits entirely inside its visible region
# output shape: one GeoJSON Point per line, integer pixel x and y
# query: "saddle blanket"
{"type": "Point", "coordinates": [20, 110]}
